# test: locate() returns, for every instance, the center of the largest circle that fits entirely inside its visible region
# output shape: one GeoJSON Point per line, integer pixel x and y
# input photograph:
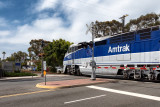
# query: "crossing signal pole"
{"type": "Point", "coordinates": [123, 21]}
{"type": "Point", "coordinates": [92, 29]}
{"type": "Point", "coordinates": [42, 45]}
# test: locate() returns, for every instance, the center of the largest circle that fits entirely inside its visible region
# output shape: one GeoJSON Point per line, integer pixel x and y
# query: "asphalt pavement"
{"type": "Point", "coordinates": [120, 93]}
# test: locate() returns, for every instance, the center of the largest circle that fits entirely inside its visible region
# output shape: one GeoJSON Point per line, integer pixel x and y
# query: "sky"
{"type": "Point", "coordinates": [24, 20]}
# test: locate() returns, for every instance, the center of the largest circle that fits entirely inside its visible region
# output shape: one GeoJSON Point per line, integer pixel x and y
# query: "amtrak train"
{"type": "Point", "coordinates": [134, 55]}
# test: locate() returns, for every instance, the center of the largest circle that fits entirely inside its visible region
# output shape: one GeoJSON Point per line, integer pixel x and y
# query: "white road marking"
{"type": "Point", "coordinates": [147, 82]}
{"type": "Point", "coordinates": [84, 99]}
{"type": "Point", "coordinates": [150, 97]}
{"type": "Point", "coordinates": [48, 75]}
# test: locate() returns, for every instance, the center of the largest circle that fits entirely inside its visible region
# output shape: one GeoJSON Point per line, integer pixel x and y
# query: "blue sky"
{"type": "Point", "coordinates": [24, 20]}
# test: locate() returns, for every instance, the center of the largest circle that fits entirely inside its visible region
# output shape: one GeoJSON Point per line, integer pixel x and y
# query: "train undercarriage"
{"type": "Point", "coordinates": [136, 74]}
{"type": "Point", "coordinates": [142, 74]}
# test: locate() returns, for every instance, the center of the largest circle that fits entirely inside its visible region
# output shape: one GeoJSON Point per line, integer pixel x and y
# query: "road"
{"type": "Point", "coordinates": [121, 93]}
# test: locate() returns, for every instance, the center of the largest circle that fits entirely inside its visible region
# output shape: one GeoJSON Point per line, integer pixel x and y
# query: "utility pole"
{"type": "Point", "coordinates": [92, 29]}
{"type": "Point", "coordinates": [123, 21]}
{"type": "Point", "coordinates": [93, 76]}
{"type": "Point", "coordinates": [42, 45]}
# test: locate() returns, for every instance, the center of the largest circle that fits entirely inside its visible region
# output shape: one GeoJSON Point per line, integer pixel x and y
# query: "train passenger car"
{"type": "Point", "coordinates": [133, 55]}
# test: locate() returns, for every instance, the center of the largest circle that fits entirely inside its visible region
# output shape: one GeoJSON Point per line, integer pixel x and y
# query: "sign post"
{"type": "Point", "coordinates": [44, 73]}
{"type": "Point", "coordinates": [44, 68]}
{"type": "Point", "coordinates": [91, 28]}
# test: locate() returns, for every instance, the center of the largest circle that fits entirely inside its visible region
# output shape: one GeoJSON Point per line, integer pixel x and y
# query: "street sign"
{"type": "Point", "coordinates": [44, 65]}
{"type": "Point", "coordinates": [44, 72]}
{"type": "Point", "coordinates": [8, 66]}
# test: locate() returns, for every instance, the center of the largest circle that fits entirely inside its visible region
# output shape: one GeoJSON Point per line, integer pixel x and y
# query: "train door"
{"type": "Point", "coordinates": [155, 51]}
{"type": "Point", "coordinates": [147, 54]}
{"type": "Point", "coordinates": [69, 57]}
{"type": "Point", "coordinates": [73, 55]}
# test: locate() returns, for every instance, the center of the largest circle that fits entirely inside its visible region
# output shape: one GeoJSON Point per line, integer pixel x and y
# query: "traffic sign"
{"type": "Point", "coordinates": [89, 28]}
{"type": "Point", "coordinates": [44, 65]}
{"type": "Point", "coordinates": [44, 72]}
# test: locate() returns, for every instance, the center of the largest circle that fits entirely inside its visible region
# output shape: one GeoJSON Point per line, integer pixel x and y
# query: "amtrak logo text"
{"type": "Point", "coordinates": [118, 49]}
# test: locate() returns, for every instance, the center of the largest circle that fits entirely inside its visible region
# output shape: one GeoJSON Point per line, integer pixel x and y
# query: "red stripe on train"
{"type": "Point", "coordinates": [132, 68]}
{"type": "Point", "coordinates": [106, 67]}
{"type": "Point", "coordinates": [143, 68]}
{"type": "Point", "coordinates": [154, 68]}
{"type": "Point", "coordinates": [122, 67]}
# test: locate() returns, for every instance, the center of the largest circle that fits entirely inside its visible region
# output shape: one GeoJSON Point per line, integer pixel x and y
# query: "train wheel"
{"type": "Point", "coordinates": [78, 72]}
{"type": "Point", "coordinates": [158, 77]}
{"type": "Point", "coordinates": [125, 75]}
{"type": "Point", "coordinates": [68, 71]}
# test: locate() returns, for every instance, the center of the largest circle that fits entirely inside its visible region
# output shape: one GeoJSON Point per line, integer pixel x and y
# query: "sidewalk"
{"type": "Point", "coordinates": [22, 77]}
{"type": "Point", "coordinates": [71, 83]}
{"type": "Point", "coordinates": [25, 77]}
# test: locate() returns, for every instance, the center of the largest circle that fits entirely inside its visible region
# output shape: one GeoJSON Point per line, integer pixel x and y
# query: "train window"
{"type": "Point", "coordinates": [103, 42]}
{"type": "Point", "coordinates": [128, 37]}
{"type": "Point", "coordinates": [76, 48]}
{"type": "Point", "coordinates": [155, 28]}
{"type": "Point", "coordinates": [80, 46]}
{"type": "Point", "coordinates": [69, 50]}
{"type": "Point", "coordinates": [146, 35]}
{"type": "Point", "coordinates": [73, 49]}
{"type": "Point", "coordinates": [116, 39]}
{"type": "Point", "coordinates": [83, 45]}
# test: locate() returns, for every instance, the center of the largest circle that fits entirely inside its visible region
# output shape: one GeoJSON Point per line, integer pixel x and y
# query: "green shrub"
{"type": "Point", "coordinates": [14, 74]}
{"type": "Point", "coordinates": [39, 66]}
{"type": "Point", "coordinates": [18, 71]}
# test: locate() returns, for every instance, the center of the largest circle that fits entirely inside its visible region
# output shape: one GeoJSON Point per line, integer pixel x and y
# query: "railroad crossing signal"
{"type": "Point", "coordinates": [89, 27]}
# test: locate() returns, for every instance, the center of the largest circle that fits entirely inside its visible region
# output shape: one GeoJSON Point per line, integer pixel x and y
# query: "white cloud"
{"type": "Point", "coordinates": [46, 4]}
{"type": "Point", "coordinates": [4, 33]}
{"type": "Point", "coordinates": [71, 25]}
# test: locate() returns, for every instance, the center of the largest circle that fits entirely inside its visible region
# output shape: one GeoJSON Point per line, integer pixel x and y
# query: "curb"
{"type": "Point", "coordinates": [70, 86]}
{"type": "Point", "coordinates": [45, 86]}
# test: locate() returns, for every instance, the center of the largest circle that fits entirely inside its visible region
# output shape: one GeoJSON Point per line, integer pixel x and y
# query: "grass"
{"type": "Point", "coordinates": [18, 74]}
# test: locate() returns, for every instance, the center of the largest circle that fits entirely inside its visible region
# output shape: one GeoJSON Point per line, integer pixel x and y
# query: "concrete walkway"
{"type": "Point", "coordinates": [71, 83]}
{"type": "Point", "coordinates": [38, 76]}
{"type": "Point", "coordinates": [22, 77]}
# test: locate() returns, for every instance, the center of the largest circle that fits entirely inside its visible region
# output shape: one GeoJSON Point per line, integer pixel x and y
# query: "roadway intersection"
{"type": "Point", "coordinates": [121, 93]}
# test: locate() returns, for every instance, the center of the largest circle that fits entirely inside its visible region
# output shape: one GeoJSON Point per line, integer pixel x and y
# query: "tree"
{"type": "Point", "coordinates": [113, 27]}
{"type": "Point", "coordinates": [151, 19]}
{"type": "Point", "coordinates": [36, 48]}
{"type": "Point", "coordinates": [108, 28]}
{"type": "Point", "coordinates": [55, 51]}
{"type": "Point", "coordinates": [18, 56]}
